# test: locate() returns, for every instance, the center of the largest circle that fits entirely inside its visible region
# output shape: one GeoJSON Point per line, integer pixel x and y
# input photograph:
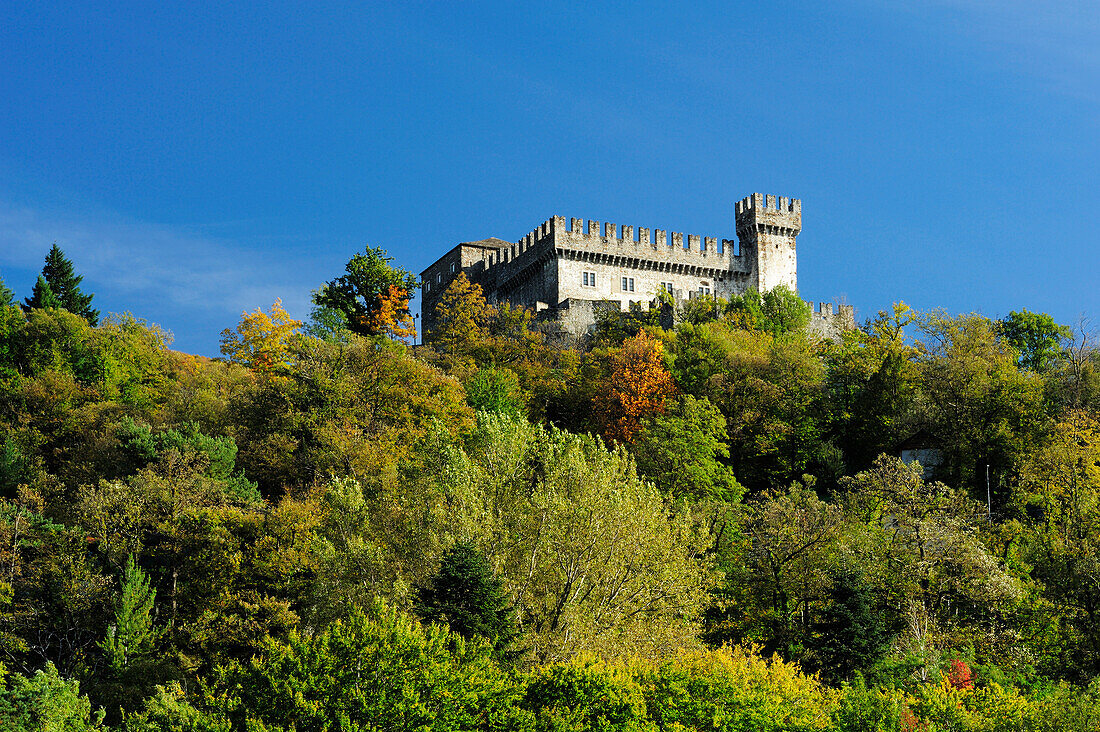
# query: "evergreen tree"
{"type": "Point", "coordinates": [132, 635]}
{"type": "Point", "coordinates": [853, 632]}
{"type": "Point", "coordinates": [42, 296]}
{"type": "Point", "coordinates": [7, 297]}
{"type": "Point", "coordinates": [466, 595]}
{"type": "Point", "coordinates": [65, 285]}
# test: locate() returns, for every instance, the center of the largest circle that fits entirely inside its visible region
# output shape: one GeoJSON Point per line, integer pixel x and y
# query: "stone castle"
{"type": "Point", "coordinates": [566, 274]}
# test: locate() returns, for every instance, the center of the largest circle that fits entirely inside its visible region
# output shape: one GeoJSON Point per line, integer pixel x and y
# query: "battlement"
{"type": "Point", "coordinates": [611, 239]}
{"type": "Point", "coordinates": [772, 204]}
{"type": "Point", "coordinates": [656, 240]}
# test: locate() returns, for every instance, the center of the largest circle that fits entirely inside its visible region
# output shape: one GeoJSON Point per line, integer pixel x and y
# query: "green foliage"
{"type": "Point", "coordinates": [356, 295]}
{"type": "Point", "coordinates": [852, 633]}
{"type": "Point", "coordinates": [42, 296]}
{"type": "Point", "coordinates": [585, 694]}
{"type": "Point", "coordinates": [466, 596]}
{"type": "Point", "coordinates": [7, 297]}
{"type": "Point", "coordinates": [131, 636]}
{"type": "Point", "coordinates": [864, 709]}
{"type": "Point", "coordinates": [45, 702]}
{"type": "Point", "coordinates": [681, 450]}
{"type": "Point", "coordinates": [369, 671]}
{"type": "Point", "coordinates": [496, 390]}
{"type": "Point", "coordinates": [59, 287]}
{"type": "Point", "coordinates": [776, 312]}
{"type": "Point", "coordinates": [736, 689]}
{"type": "Point", "coordinates": [1036, 338]}
{"type": "Point", "coordinates": [769, 390]}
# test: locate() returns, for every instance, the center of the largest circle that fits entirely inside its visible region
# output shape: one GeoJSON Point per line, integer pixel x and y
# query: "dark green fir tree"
{"type": "Point", "coordinates": [7, 297]}
{"type": "Point", "coordinates": [64, 283]}
{"type": "Point", "coordinates": [41, 296]}
{"type": "Point", "coordinates": [466, 595]}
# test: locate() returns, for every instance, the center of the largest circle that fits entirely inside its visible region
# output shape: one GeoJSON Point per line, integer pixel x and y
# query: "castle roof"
{"type": "Point", "coordinates": [491, 243]}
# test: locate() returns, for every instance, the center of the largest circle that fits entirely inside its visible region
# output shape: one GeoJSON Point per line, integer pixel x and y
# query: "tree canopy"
{"type": "Point", "coordinates": [363, 294]}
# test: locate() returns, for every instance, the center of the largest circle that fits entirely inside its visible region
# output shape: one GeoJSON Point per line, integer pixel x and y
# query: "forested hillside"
{"type": "Point", "coordinates": [703, 527]}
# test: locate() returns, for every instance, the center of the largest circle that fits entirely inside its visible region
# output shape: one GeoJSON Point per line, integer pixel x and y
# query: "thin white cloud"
{"type": "Point", "coordinates": [135, 259]}
{"type": "Point", "coordinates": [1055, 43]}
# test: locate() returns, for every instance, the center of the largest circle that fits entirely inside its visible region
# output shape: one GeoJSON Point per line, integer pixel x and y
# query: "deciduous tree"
{"type": "Point", "coordinates": [638, 384]}
{"type": "Point", "coordinates": [261, 340]}
{"type": "Point", "coordinates": [362, 292]}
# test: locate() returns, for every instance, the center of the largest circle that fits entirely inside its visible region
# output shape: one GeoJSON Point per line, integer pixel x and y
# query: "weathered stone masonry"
{"type": "Point", "coordinates": [566, 271]}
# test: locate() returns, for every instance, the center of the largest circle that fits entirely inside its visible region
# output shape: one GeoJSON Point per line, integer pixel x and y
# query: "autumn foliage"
{"type": "Point", "coordinates": [391, 315]}
{"type": "Point", "coordinates": [959, 675]}
{"type": "Point", "coordinates": [260, 340]}
{"type": "Point", "coordinates": [638, 385]}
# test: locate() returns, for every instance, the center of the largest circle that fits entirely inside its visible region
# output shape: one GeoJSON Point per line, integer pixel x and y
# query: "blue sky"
{"type": "Point", "coordinates": [197, 160]}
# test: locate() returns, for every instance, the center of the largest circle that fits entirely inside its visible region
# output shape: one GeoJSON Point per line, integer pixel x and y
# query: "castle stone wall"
{"type": "Point", "coordinates": [547, 267]}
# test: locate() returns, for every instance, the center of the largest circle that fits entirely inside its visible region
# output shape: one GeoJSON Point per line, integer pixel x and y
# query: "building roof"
{"type": "Point", "coordinates": [491, 243]}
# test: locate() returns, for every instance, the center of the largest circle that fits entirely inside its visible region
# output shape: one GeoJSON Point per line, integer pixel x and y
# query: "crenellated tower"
{"type": "Point", "coordinates": [767, 227]}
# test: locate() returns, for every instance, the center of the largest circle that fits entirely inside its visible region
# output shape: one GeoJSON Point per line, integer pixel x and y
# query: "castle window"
{"type": "Point", "coordinates": [439, 279]}
{"type": "Point", "coordinates": [628, 284]}
{"type": "Point", "coordinates": [452, 267]}
{"type": "Point", "coordinates": [589, 279]}
{"type": "Point", "coordinates": [667, 287]}
{"type": "Point", "coordinates": [704, 291]}
{"type": "Point", "coordinates": [428, 286]}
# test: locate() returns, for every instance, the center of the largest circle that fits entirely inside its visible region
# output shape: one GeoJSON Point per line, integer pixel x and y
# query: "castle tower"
{"type": "Point", "coordinates": [766, 230]}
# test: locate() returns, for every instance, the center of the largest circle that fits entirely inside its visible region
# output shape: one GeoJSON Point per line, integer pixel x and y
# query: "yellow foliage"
{"type": "Point", "coordinates": [391, 315]}
{"type": "Point", "coordinates": [260, 341]}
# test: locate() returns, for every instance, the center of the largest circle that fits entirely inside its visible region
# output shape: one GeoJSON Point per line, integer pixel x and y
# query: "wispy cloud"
{"type": "Point", "coordinates": [1055, 43]}
{"type": "Point", "coordinates": [139, 260]}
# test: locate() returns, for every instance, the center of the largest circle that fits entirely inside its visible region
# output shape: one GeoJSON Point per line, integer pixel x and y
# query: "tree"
{"type": "Point", "coordinates": [131, 636]}
{"type": "Point", "coordinates": [984, 409]}
{"type": "Point", "coordinates": [638, 384]}
{"type": "Point", "coordinates": [777, 311]}
{"type": "Point", "coordinates": [852, 630]}
{"type": "Point", "coordinates": [496, 390]}
{"type": "Point", "coordinates": [368, 671]}
{"type": "Point", "coordinates": [45, 702]}
{"type": "Point", "coordinates": [361, 294]}
{"type": "Point", "coordinates": [41, 296]}
{"type": "Point", "coordinates": [391, 315]}
{"type": "Point", "coordinates": [467, 596]}
{"type": "Point", "coordinates": [261, 340]}
{"type": "Point", "coordinates": [64, 284]}
{"type": "Point", "coordinates": [7, 297]}
{"type": "Point", "coordinates": [461, 316]}
{"type": "Point", "coordinates": [681, 450]}
{"type": "Point", "coordinates": [592, 557]}
{"type": "Point", "coordinates": [1036, 337]}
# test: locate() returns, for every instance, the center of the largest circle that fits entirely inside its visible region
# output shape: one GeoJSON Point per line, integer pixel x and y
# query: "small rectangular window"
{"type": "Point", "coordinates": [452, 267]}
{"type": "Point", "coordinates": [667, 287]}
{"type": "Point", "coordinates": [428, 286]}
{"type": "Point", "coordinates": [589, 279]}
{"type": "Point", "coordinates": [439, 279]}
{"type": "Point", "coordinates": [704, 291]}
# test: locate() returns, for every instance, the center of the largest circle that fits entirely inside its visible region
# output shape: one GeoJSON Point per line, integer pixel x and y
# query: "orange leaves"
{"type": "Point", "coordinates": [391, 315]}
{"type": "Point", "coordinates": [260, 341]}
{"type": "Point", "coordinates": [638, 384]}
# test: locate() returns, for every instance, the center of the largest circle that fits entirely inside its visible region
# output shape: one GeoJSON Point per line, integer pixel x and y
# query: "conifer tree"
{"type": "Point", "coordinates": [466, 595]}
{"type": "Point", "coordinates": [42, 296]}
{"type": "Point", "coordinates": [7, 297]}
{"type": "Point", "coordinates": [64, 283]}
{"type": "Point", "coordinates": [132, 635]}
